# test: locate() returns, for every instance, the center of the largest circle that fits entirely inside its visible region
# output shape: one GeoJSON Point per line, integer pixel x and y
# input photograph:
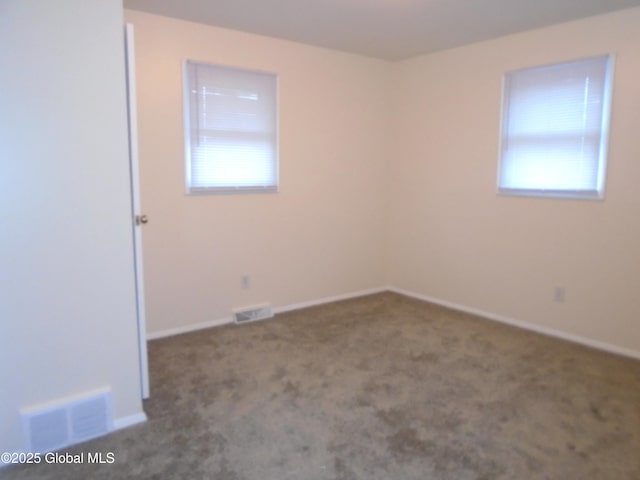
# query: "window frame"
{"type": "Point", "coordinates": [186, 104]}
{"type": "Point", "coordinates": [598, 193]}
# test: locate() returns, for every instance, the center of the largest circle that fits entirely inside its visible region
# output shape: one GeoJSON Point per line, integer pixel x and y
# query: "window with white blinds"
{"type": "Point", "coordinates": [231, 134]}
{"type": "Point", "coordinates": [555, 129]}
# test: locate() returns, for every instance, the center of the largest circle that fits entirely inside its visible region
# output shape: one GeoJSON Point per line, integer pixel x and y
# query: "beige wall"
{"type": "Point", "coordinates": [322, 235]}
{"type": "Point", "coordinates": [67, 293]}
{"type": "Point", "coordinates": [454, 239]}
{"type": "Point", "coordinates": [388, 177]}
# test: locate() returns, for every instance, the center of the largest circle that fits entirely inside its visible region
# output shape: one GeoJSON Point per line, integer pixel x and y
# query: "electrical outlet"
{"type": "Point", "coordinates": [559, 294]}
{"type": "Point", "coordinates": [245, 281]}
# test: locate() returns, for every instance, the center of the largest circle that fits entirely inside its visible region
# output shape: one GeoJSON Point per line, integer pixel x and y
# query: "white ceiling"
{"type": "Point", "coordinates": [387, 29]}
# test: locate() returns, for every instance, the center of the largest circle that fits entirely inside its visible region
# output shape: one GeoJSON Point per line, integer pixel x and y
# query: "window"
{"type": "Point", "coordinates": [555, 129]}
{"type": "Point", "coordinates": [230, 130]}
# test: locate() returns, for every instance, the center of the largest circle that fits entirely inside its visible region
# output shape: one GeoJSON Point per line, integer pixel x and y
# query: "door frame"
{"type": "Point", "coordinates": [135, 207]}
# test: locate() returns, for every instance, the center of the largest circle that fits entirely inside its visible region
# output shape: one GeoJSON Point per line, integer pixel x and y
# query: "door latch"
{"type": "Point", "coordinates": [141, 219]}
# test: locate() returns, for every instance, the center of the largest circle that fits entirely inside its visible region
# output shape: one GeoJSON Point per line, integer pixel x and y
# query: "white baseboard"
{"type": "Point", "coordinates": [128, 421]}
{"type": "Point", "coordinates": [189, 328]}
{"type": "Point", "coordinates": [335, 298]}
{"type": "Point", "coordinates": [286, 308]}
{"type": "Point", "coordinates": [607, 347]}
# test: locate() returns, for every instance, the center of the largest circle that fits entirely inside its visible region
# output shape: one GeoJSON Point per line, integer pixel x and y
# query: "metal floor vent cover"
{"type": "Point", "coordinates": [252, 314]}
{"type": "Point", "coordinates": [68, 422]}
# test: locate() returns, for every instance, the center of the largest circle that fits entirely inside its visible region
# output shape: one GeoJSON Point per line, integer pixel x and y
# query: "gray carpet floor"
{"type": "Point", "coordinates": [380, 387]}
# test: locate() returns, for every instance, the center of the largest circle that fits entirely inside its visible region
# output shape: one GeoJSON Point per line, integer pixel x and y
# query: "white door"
{"type": "Point", "coordinates": [139, 220]}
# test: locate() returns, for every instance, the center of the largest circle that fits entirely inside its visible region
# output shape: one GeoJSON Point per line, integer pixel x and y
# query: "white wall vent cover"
{"type": "Point", "coordinates": [251, 314]}
{"type": "Point", "coordinates": [65, 423]}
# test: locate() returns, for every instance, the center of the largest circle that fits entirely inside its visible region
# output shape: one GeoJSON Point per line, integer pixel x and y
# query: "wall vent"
{"type": "Point", "coordinates": [68, 422]}
{"type": "Point", "coordinates": [251, 314]}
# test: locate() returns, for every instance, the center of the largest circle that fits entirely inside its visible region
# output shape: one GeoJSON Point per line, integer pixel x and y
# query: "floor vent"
{"type": "Point", "coordinates": [252, 314]}
{"type": "Point", "coordinates": [68, 422]}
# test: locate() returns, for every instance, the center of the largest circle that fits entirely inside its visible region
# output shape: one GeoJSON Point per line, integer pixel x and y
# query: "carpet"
{"type": "Point", "coordinates": [379, 387]}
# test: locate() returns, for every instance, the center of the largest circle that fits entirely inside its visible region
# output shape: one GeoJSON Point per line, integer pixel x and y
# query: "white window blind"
{"type": "Point", "coordinates": [231, 130]}
{"type": "Point", "coordinates": [555, 129]}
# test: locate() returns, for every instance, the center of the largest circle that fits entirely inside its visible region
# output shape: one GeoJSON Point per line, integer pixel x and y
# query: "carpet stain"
{"type": "Point", "coordinates": [292, 389]}
{"type": "Point", "coordinates": [226, 473]}
{"type": "Point", "coordinates": [393, 417]}
{"type": "Point", "coordinates": [342, 470]}
{"type": "Point", "coordinates": [425, 357]}
{"type": "Point", "coordinates": [406, 443]}
{"type": "Point", "coordinates": [595, 410]}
